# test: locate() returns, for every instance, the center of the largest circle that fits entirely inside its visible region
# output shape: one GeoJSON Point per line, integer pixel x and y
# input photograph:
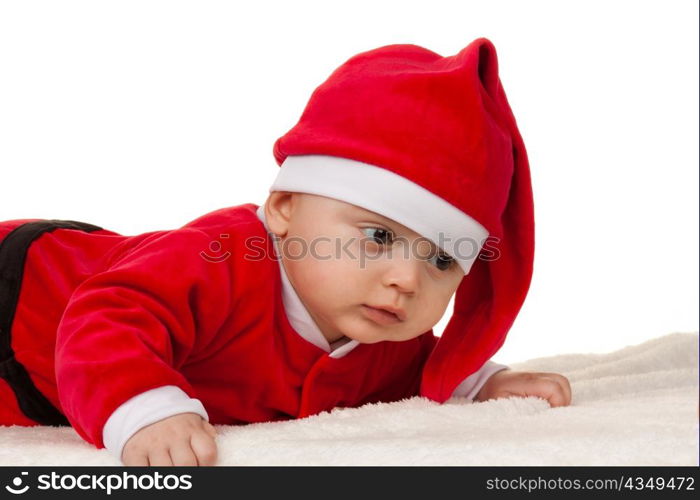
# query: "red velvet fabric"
{"type": "Point", "coordinates": [103, 317]}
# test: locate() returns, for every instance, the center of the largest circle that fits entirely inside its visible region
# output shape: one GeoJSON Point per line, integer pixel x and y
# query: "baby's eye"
{"type": "Point", "coordinates": [379, 235]}
{"type": "Point", "coordinates": [442, 261]}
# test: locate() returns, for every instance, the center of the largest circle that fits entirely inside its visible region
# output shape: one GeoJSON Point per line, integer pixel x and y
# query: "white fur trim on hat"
{"type": "Point", "coordinates": [381, 191]}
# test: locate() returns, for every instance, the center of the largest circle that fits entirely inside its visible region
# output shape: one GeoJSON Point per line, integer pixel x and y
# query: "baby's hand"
{"type": "Point", "coordinates": [183, 439]}
{"type": "Point", "coordinates": [553, 387]}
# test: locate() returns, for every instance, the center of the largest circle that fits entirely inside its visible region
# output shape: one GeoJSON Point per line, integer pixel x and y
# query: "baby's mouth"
{"type": "Point", "coordinates": [381, 316]}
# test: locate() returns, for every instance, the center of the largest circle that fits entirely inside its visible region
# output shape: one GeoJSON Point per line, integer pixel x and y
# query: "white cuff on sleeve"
{"type": "Point", "coordinates": [145, 409]}
{"type": "Point", "coordinates": [471, 385]}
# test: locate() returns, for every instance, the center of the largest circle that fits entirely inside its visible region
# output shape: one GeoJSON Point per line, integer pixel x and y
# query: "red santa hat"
{"type": "Point", "coordinates": [430, 142]}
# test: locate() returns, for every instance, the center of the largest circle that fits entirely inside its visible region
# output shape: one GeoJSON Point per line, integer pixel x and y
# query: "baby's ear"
{"type": "Point", "coordinates": [278, 211]}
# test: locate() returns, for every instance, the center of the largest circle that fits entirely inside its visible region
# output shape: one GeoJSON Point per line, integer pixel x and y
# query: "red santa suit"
{"type": "Point", "coordinates": [162, 402]}
{"type": "Point", "coordinates": [186, 320]}
{"type": "Point", "coordinates": [138, 328]}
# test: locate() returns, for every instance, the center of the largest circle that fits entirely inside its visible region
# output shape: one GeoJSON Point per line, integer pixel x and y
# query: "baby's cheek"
{"type": "Point", "coordinates": [321, 249]}
{"type": "Point", "coordinates": [433, 311]}
{"type": "Point", "coordinates": [326, 279]}
{"type": "Point", "coordinates": [325, 265]}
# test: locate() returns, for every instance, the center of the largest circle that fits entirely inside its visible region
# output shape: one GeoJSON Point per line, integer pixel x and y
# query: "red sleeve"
{"type": "Point", "coordinates": [128, 329]}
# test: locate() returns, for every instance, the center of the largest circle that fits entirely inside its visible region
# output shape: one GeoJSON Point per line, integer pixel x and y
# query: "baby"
{"type": "Point", "coordinates": [404, 183]}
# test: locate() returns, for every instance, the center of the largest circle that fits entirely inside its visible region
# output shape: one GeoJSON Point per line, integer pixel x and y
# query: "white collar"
{"type": "Point", "coordinates": [299, 316]}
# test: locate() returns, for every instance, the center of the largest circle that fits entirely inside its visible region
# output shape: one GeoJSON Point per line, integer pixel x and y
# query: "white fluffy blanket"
{"type": "Point", "coordinates": [635, 406]}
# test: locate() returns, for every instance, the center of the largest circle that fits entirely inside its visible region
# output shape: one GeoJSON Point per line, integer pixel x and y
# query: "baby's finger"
{"type": "Point", "coordinates": [566, 386]}
{"type": "Point", "coordinates": [134, 459]}
{"type": "Point", "coordinates": [159, 458]}
{"type": "Point", "coordinates": [204, 448]}
{"type": "Point", "coordinates": [210, 429]}
{"type": "Point", "coordinates": [563, 383]}
{"type": "Point", "coordinates": [182, 454]}
{"type": "Point", "coordinates": [554, 392]}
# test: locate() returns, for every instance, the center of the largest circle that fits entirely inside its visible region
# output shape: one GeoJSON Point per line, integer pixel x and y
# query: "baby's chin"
{"type": "Point", "coordinates": [366, 332]}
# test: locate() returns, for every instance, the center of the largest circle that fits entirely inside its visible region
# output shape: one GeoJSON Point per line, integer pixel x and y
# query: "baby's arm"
{"type": "Point", "coordinates": [129, 329]}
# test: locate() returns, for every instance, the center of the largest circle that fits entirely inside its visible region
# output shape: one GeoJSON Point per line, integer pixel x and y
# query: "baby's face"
{"type": "Point", "coordinates": [343, 261]}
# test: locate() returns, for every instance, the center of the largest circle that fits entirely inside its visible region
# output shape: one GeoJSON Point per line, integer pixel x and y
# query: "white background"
{"type": "Point", "coordinates": [143, 115]}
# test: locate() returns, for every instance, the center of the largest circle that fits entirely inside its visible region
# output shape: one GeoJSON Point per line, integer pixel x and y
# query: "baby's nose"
{"type": "Point", "coordinates": [403, 271]}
